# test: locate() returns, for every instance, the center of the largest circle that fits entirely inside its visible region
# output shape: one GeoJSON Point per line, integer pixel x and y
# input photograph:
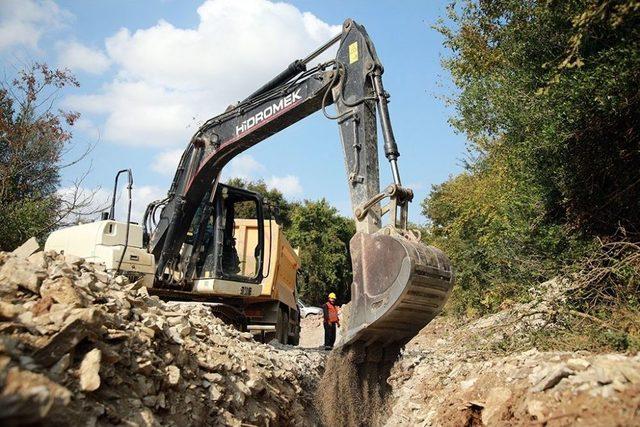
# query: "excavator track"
{"type": "Point", "coordinates": [399, 286]}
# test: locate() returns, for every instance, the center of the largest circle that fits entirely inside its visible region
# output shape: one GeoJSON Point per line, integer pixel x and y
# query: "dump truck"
{"type": "Point", "coordinates": [274, 313]}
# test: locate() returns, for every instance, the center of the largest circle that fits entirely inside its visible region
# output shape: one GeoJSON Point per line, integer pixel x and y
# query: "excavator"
{"type": "Point", "coordinates": [187, 250]}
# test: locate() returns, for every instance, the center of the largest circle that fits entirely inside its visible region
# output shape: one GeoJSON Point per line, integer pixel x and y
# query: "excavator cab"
{"type": "Point", "coordinates": [225, 254]}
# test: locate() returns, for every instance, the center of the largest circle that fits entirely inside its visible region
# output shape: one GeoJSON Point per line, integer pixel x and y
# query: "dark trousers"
{"type": "Point", "coordinates": [329, 334]}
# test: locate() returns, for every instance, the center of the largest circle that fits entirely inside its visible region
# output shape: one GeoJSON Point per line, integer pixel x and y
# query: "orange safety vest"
{"type": "Point", "coordinates": [333, 313]}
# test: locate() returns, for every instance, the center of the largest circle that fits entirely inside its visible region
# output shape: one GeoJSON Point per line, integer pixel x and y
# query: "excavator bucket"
{"type": "Point", "coordinates": [399, 286]}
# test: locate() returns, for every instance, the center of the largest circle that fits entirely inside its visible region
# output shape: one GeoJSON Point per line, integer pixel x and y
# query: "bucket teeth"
{"type": "Point", "coordinates": [398, 287]}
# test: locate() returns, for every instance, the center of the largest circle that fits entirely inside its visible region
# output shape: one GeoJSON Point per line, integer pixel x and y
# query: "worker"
{"type": "Point", "coordinates": [331, 320]}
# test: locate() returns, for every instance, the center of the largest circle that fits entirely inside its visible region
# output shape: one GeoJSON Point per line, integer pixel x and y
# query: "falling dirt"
{"type": "Point", "coordinates": [353, 390]}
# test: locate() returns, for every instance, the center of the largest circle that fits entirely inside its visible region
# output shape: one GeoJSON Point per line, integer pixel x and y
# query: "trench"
{"type": "Point", "coordinates": [353, 391]}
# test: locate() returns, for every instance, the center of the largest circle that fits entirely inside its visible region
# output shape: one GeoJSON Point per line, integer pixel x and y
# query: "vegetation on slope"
{"type": "Point", "coordinates": [549, 101]}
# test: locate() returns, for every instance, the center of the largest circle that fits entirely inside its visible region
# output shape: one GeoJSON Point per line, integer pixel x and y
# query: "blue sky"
{"type": "Point", "coordinates": [151, 71]}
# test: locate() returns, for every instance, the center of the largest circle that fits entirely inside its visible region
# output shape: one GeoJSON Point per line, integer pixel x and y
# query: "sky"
{"type": "Point", "coordinates": [152, 71]}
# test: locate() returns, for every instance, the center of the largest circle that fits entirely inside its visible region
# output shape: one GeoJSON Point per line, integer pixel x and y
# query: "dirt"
{"type": "Point", "coordinates": [353, 390]}
{"type": "Point", "coordinates": [457, 373]}
{"type": "Point", "coordinates": [77, 346]}
{"type": "Point", "coordinates": [311, 332]}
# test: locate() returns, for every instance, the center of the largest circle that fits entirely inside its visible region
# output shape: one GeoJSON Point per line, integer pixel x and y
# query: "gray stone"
{"type": "Point", "coordinates": [172, 375]}
{"type": "Point", "coordinates": [74, 260]}
{"type": "Point", "coordinates": [63, 290]}
{"type": "Point", "coordinates": [578, 364]}
{"type": "Point", "coordinates": [38, 259]}
{"type": "Point", "coordinates": [20, 272]}
{"type": "Point", "coordinates": [551, 379]}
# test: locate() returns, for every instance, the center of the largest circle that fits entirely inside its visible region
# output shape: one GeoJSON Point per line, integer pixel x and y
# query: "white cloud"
{"type": "Point", "coordinates": [170, 79]}
{"type": "Point", "coordinates": [244, 166]}
{"type": "Point", "coordinates": [78, 57]}
{"type": "Point", "coordinates": [139, 113]}
{"type": "Point", "coordinates": [166, 162]}
{"type": "Point", "coordinates": [23, 22]}
{"type": "Point", "coordinates": [288, 185]}
{"type": "Point", "coordinates": [141, 197]}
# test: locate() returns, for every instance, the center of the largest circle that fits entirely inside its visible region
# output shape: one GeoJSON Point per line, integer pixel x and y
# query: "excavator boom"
{"type": "Point", "coordinates": [399, 284]}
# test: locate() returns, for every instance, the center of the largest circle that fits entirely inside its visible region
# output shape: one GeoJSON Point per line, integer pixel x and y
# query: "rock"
{"type": "Point", "coordinates": [121, 280]}
{"type": "Point", "coordinates": [61, 270]}
{"type": "Point", "coordinates": [577, 364]}
{"type": "Point", "coordinates": [213, 377]}
{"type": "Point", "coordinates": [608, 371]}
{"type": "Point", "coordinates": [631, 374]}
{"type": "Point", "coordinates": [145, 368]}
{"type": "Point", "coordinates": [63, 290]}
{"type": "Point", "coordinates": [18, 272]}
{"type": "Point", "coordinates": [214, 393]}
{"type": "Point", "coordinates": [465, 385]}
{"type": "Point", "coordinates": [102, 276]}
{"type": "Point", "coordinates": [27, 248]}
{"type": "Point", "coordinates": [73, 260]}
{"type": "Point", "coordinates": [551, 379]}
{"type": "Point", "coordinates": [172, 375]}
{"type": "Point", "coordinates": [536, 409]}
{"type": "Point", "coordinates": [28, 397]}
{"type": "Point", "coordinates": [75, 330]}
{"type": "Point", "coordinates": [42, 306]}
{"type": "Point", "coordinates": [150, 362]}
{"type": "Point", "coordinates": [61, 366]}
{"type": "Point", "coordinates": [9, 311]}
{"type": "Point", "coordinates": [495, 404]}
{"type": "Point", "coordinates": [38, 259]}
{"type": "Point", "coordinates": [90, 370]}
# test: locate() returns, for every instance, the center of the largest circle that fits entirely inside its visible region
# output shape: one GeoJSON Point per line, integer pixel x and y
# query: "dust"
{"type": "Point", "coordinates": [353, 390]}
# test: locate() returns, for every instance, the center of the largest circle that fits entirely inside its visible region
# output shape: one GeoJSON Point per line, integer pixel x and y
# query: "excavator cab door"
{"type": "Point", "coordinates": [230, 252]}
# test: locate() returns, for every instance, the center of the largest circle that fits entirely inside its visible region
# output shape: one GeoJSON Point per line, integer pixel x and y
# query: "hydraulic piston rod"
{"type": "Point", "coordinates": [390, 146]}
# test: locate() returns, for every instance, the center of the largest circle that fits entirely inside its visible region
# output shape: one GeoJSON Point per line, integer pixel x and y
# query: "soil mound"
{"type": "Point", "coordinates": [78, 347]}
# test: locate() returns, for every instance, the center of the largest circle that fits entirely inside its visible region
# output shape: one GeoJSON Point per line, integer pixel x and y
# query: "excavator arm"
{"type": "Point", "coordinates": [399, 284]}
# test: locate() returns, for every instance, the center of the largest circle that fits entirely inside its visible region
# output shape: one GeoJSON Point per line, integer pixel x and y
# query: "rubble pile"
{"type": "Point", "coordinates": [77, 346]}
{"type": "Point", "coordinates": [456, 373]}
{"type": "Point", "coordinates": [550, 388]}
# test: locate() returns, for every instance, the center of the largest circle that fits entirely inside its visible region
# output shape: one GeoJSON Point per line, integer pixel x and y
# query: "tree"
{"type": "Point", "coordinates": [549, 101]}
{"type": "Point", "coordinates": [323, 238]}
{"type": "Point", "coordinates": [279, 207]}
{"type": "Point", "coordinates": [33, 139]}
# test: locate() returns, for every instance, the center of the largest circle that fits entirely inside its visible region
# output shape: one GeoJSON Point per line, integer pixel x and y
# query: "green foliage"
{"type": "Point", "coordinates": [321, 234]}
{"type": "Point", "coordinates": [32, 138]}
{"type": "Point", "coordinates": [549, 100]}
{"type": "Point", "coordinates": [277, 206]}
{"type": "Point", "coordinates": [323, 238]}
